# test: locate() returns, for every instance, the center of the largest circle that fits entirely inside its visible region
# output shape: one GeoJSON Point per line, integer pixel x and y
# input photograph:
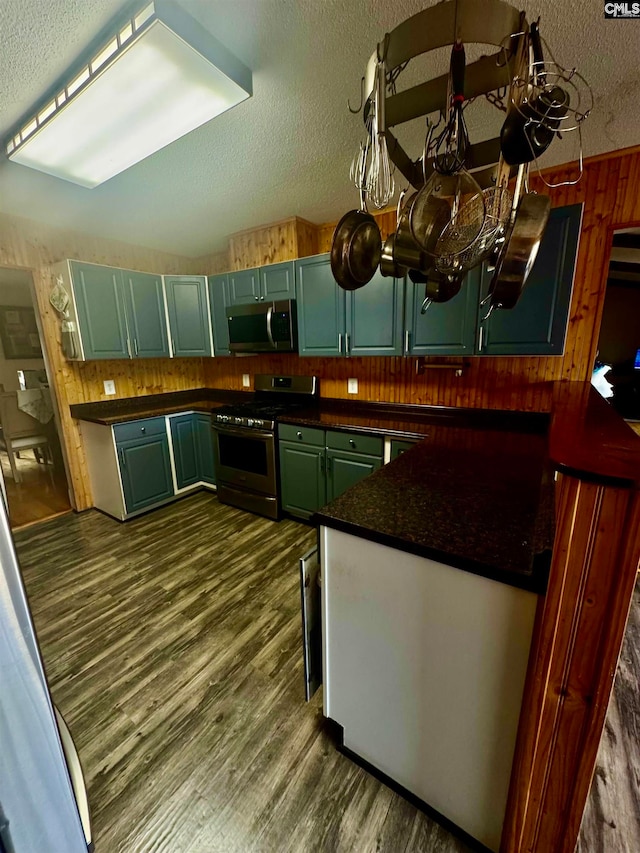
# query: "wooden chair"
{"type": "Point", "coordinates": [21, 432]}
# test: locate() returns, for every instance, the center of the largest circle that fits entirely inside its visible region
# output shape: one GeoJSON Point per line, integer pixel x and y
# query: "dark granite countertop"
{"type": "Point", "coordinates": [477, 499]}
{"type": "Point", "coordinates": [152, 405]}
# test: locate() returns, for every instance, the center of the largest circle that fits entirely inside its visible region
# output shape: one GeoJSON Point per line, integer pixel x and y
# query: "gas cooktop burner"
{"type": "Point", "coordinates": [274, 397]}
{"type": "Point", "coordinates": [253, 414]}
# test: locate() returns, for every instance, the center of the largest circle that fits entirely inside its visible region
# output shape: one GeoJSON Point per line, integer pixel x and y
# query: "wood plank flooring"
{"type": "Point", "coordinates": [173, 647]}
{"type": "Point", "coordinates": [611, 821]}
{"type": "Point", "coordinates": [37, 497]}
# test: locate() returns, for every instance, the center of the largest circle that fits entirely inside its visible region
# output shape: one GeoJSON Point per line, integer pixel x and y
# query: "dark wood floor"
{"type": "Point", "coordinates": [172, 644]}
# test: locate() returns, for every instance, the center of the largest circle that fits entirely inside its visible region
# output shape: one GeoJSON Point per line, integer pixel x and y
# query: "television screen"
{"type": "Point", "coordinates": [636, 363]}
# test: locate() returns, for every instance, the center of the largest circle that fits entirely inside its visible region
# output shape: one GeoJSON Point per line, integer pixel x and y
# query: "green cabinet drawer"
{"type": "Point", "coordinates": [346, 469]}
{"type": "Point", "coordinates": [305, 435]}
{"type": "Point", "coordinates": [355, 443]}
{"type": "Point", "coordinates": [302, 478]}
{"type": "Point", "coordinates": [139, 429]}
{"type": "Point", "coordinates": [398, 447]}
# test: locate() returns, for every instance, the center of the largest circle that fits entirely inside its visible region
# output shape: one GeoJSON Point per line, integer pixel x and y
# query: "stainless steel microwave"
{"type": "Point", "coordinates": [264, 327]}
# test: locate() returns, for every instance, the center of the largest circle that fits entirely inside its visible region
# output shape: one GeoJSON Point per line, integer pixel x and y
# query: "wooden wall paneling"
{"type": "Point", "coordinates": [269, 244]}
{"type": "Point", "coordinates": [29, 245]}
{"type": "Point", "coordinates": [306, 238]}
{"type": "Point", "coordinates": [579, 629]}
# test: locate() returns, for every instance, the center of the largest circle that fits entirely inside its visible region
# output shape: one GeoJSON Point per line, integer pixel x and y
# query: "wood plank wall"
{"type": "Point", "coordinates": [29, 245]}
{"type": "Point", "coordinates": [609, 192]}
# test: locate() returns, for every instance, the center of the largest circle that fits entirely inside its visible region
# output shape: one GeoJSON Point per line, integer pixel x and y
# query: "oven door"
{"type": "Point", "coordinates": [245, 458]}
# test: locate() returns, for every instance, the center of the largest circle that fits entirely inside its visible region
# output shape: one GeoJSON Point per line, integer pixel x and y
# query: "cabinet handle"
{"type": "Point", "coordinates": [352, 442]}
{"type": "Point", "coordinates": [123, 461]}
{"type": "Point", "coordinates": [173, 347]}
{"type": "Point", "coordinates": [322, 465]}
{"type": "Point", "coordinates": [347, 344]}
{"type": "Point", "coordinates": [328, 465]}
{"type": "Point", "coordinates": [299, 434]}
{"type": "Point", "coordinates": [262, 299]}
{"type": "Point", "coordinates": [481, 341]}
{"type": "Point", "coordinates": [129, 347]}
{"type": "Point", "coordinates": [257, 298]}
{"type": "Point", "coordinates": [339, 342]}
{"type": "Point", "coordinates": [407, 335]}
{"type": "Point", "coordinates": [135, 346]}
{"type": "Point", "coordinates": [143, 429]}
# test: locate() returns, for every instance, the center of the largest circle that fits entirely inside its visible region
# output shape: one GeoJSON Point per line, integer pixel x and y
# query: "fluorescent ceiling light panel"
{"type": "Point", "coordinates": [159, 78]}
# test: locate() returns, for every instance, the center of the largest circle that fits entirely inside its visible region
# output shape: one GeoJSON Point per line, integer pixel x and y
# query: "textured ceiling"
{"type": "Point", "coordinates": [287, 150]}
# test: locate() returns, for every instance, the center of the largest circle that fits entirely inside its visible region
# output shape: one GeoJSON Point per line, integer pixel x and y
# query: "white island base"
{"type": "Point", "coordinates": [424, 668]}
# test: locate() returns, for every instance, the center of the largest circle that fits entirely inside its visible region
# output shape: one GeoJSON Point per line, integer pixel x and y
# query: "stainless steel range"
{"type": "Point", "coordinates": [245, 444]}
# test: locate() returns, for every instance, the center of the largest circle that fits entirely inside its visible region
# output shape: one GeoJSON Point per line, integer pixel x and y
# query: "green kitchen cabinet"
{"type": "Point", "coordinates": [321, 308]}
{"type": "Point", "coordinates": [447, 328]}
{"type": "Point", "coordinates": [244, 287]}
{"type": "Point", "coordinates": [204, 442]}
{"type": "Point", "coordinates": [400, 446]}
{"type": "Point", "coordinates": [332, 322]}
{"type": "Point", "coordinates": [145, 465]}
{"type": "Point", "coordinates": [145, 313]}
{"type": "Point", "coordinates": [189, 321]}
{"type": "Point", "coordinates": [302, 478]}
{"type": "Point", "coordinates": [184, 441]}
{"type": "Point", "coordinates": [537, 324]}
{"type": "Point", "coordinates": [100, 309]}
{"type": "Point", "coordinates": [218, 302]}
{"type": "Point", "coordinates": [345, 469]}
{"type": "Point", "coordinates": [278, 281]}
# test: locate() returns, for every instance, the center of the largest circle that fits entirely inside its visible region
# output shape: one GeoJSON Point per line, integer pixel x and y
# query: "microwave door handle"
{"type": "Point", "coordinates": [269, 330]}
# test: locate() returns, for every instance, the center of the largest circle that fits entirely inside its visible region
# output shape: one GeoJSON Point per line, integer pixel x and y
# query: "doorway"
{"type": "Point", "coordinates": [31, 463]}
{"type": "Point", "coordinates": [618, 358]}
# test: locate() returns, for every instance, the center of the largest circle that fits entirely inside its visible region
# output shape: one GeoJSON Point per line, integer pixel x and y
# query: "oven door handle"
{"type": "Point", "coordinates": [243, 432]}
{"type": "Point", "coordinates": [269, 329]}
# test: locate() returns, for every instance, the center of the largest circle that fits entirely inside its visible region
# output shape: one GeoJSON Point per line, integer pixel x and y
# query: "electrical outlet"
{"type": "Point", "coordinates": [109, 386]}
{"type": "Point", "coordinates": [246, 380]}
{"type": "Point", "coordinates": [352, 386]}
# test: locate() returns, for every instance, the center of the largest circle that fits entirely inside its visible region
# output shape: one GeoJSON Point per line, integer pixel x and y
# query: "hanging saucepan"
{"type": "Point", "coordinates": [529, 127]}
{"type": "Point", "coordinates": [438, 288]}
{"type": "Point", "coordinates": [388, 265]}
{"type": "Point", "coordinates": [356, 248]}
{"type": "Point", "coordinates": [406, 251]}
{"type": "Point", "coordinates": [519, 251]}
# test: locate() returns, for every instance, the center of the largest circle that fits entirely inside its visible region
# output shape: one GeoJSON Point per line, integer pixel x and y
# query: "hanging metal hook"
{"type": "Point", "coordinates": [351, 110]}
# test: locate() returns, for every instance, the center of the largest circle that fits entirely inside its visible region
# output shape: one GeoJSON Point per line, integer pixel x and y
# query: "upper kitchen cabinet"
{"type": "Point", "coordinates": [244, 287]}
{"type": "Point", "coordinates": [538, 323]}
{"type": "Point", "coordinates": [321, 308]}
{"type": "Point", "coordinates": [146, 315]}
{"type": "Point", "coordinates": [99, 304]}
{"type": "Point", "coordinates": [331, 321]}
{"type": "Point", "coordinates": [218, 301]}
{"type": "Point", "coordinates": [278, 281]}
{"type": "Point", "coordinates": [188, 308]}
{"type": "Point", "coordinates": [446, 328]}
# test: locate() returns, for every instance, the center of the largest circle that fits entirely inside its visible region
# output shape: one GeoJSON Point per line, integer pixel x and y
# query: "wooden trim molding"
{"type": "Point", "coordinates": [578, 635]}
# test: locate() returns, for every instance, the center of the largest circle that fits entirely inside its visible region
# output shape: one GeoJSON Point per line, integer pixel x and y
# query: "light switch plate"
{"type": "Point", "coordinates": [246, 380]}
{"type": "Point", "coordinates": [109, 386]}
{"type": "Point", "coordinates": [352, 386]}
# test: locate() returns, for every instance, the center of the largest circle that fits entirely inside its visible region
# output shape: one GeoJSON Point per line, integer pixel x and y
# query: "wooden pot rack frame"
{"type": "Point", "coordinates": [491, 22]}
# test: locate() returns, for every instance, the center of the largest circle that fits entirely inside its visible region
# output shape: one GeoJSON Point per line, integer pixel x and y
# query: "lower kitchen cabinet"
{"type": "Point", "coordinates": [145, 469]}
{"type": "Point", "coordinates": [204, 443]}
{"type": "Point", "coordinates": [133, 467]}
{"type": "Point", "coordinates": [316, 467]}
{"type": "Point", "coordinates": [399, 446]}
{"type": "Point", "coordinates": [184, 440]}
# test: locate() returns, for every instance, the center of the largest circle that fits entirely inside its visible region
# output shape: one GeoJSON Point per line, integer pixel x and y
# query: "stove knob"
{"type": "Point", "coordinates": [250, 422]}
{"type": "Point", "coordinates": [258, 423]}
{"type": "Point", "coordinates": [237, 420]}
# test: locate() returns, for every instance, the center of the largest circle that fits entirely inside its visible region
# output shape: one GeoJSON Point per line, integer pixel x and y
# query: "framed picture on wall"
{"type": "Point", "coordinates": [19, 332]}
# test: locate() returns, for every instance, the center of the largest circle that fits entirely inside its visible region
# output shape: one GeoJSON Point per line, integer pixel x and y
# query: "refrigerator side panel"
{"type": "Point", "coordinates": [35, 789]}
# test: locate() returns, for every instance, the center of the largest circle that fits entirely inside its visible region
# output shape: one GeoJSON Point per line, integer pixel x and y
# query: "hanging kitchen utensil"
{"type": "Point", "coordinates": [450, 186]}
{"type": "Point", "coordinates": [438, 288]}
{"type": "Point", "coordinates": [406, 251]}
{"type": "Point", "coordinates": [388, 263]}
{"type": "Point", "coordinates": [60, 300]}
{"type": "Point", "coordinates": [533, 119]}
{"type": "Point", "coordinates": [520, 248]}
{"type": "Point", "coordinates": [356, 246]}
{"type": "Point", "coordinates": [379, 179]}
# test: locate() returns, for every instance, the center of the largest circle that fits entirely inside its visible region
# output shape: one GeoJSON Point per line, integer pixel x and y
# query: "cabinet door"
{"type": "Point", "coordinates": [146, 317]}
{"type": "Point", "coordinates": [244, 287]}
{"type": "Point", "coordinates": [145, 470]}
{"type": "Point", "coordinates": [185, 450]}
{"type": "Point", "coordinates": [321, 308]}
{"type": "Point", "coordinates": [204, 440]}
{"type": "Point", "coordinates": [447, 328]}
{"type": "Point", "coordinates": [101, 312]}
{"type": "Point", "coordinates": [346, 469]}
{"type": "Point", "coordinates": [218, 302]}
{"type": "Point", "coordinates": [374, 317]}
{"type": "Point", "coordinates": [188, 315]}
{"type": "Point", "coordinates": [302, 479]}
{"type": "Point", "coordinates": [538, 323]}
{"type": "Point", "coordinates": [278, 281]}
{"type": "Point", "coordinates": [398, 447]}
